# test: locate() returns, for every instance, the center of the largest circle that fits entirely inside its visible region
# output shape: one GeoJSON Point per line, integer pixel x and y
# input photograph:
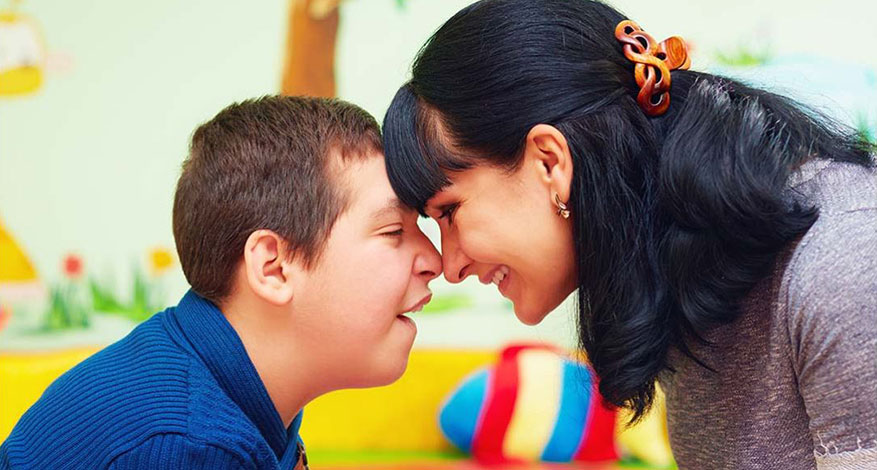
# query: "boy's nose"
{"type": "Point", "coordinates": [429, 261]}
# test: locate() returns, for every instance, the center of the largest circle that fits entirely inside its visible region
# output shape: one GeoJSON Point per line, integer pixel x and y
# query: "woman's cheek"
{"type": "Point", "coordinates": [475, 246]}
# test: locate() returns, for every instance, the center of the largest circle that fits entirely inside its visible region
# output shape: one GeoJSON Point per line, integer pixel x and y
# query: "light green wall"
{"type": "Point", "coordinates": [89, 163]}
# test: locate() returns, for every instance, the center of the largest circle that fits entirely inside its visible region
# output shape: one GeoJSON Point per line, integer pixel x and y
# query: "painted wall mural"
{"type": "Point", "coordinates": [312, 35]}
{"type": "Point", "coordinates": [22, 52]}
{"type": "Point", "coordinates": [75, 297]}
{"type": "Point", "coordinates": [309, 66]}
{"type": "Point", "coordinates": [19, 281]}
{"type": "Point", "coordinates": [88, 166]}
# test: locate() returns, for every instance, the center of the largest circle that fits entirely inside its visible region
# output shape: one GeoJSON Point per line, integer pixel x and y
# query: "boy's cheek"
{"type": "Point", "coordinates": [366, 355]}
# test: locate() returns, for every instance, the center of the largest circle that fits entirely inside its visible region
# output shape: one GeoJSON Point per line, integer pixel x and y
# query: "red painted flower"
{"type": "Point", "coordinates": [5, 314]}
{"type": "Point", "coordinates": [73, 266]}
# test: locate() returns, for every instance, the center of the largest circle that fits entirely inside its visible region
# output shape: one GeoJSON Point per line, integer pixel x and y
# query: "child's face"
{"type": "Point", "coordinates": [375, 267]}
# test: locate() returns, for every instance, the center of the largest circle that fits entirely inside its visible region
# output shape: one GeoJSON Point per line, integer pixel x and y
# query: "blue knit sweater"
{"type": "Point", "coordinates": [179, 392]}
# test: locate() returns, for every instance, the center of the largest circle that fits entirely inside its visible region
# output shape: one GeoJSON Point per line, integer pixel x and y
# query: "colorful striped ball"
{"type": "Point", "coordinates": [535, 404]}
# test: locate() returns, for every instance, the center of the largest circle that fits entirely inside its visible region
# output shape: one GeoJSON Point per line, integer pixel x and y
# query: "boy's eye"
{"type": "Point", "coordinates": [394, 233]}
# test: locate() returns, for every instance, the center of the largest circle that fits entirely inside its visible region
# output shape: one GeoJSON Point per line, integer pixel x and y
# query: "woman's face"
{"type": "Point", "coordinates": [504, 228]}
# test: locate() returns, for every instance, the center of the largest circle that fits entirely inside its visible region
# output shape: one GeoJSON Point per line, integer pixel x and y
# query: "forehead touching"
{"type": "Point", "coordinates": [420, 153]}
{"type": "Point", "coordinates": [367, 192]}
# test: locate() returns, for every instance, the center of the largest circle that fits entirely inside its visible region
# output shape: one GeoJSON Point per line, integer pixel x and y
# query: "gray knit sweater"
{"type": "Point", "coordinates": [795, 385]}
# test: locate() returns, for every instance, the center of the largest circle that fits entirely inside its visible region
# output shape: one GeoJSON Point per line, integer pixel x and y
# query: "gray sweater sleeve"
{"type": "Point", "coordinates": [832, 321]}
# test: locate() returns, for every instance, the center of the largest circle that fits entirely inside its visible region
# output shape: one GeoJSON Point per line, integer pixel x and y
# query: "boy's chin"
{"type": "Point", "coordinates": [386, 369]}
{"type": "Point", "coordinates": [388, 359]}
{"type": "Point", "coordinates": [383, 374]}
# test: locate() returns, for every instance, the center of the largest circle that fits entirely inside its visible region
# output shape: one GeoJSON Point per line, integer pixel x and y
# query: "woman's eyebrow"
{"type": "Point", "coordinates": [439, 201]}
{"type": "Point", "coordinates": [443, 203]}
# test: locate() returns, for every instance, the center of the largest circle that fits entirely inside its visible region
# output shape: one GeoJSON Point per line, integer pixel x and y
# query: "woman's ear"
{"type": "Point", "coordinates": [547, 151]}
{"type": "Point", "coordinates": [269, 272]}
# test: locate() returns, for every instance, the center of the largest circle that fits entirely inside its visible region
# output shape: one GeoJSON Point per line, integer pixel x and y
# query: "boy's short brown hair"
{"type": "Point", "coordinates": [263, 164]}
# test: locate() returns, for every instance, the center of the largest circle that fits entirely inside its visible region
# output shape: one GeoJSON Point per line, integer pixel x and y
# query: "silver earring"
{"type": "Point", "coordinates": [562, 210]}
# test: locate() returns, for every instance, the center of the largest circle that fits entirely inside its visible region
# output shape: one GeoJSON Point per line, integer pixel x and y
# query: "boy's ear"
{"type": "Point", "coordinates": [546, 149]}
{"type": "Point", "coordinates": [269, 271]}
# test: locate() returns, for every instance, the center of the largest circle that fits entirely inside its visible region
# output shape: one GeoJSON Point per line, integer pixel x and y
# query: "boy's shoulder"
{"type": "Point", "coordinates": [144, 393]}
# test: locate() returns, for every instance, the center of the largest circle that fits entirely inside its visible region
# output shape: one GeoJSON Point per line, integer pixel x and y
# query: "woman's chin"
{"type": "Point", "coordinates": [532, 313]}
{"type": "Point", "coordinates": [530, 316]}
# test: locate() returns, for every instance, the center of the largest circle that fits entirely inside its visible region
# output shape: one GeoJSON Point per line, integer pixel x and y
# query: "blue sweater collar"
{"type": "Point", "coordinates": [218, 345]}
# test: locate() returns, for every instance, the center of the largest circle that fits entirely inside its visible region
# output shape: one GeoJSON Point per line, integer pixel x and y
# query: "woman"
{"type": "Point", "coordinates": [722, 239]}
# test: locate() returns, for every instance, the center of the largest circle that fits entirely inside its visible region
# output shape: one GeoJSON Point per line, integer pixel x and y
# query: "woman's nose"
{"type": "Point", "coordinates": [455, 262]}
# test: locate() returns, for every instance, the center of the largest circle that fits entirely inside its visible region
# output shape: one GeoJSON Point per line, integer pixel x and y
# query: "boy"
{"type": "Point", "coordinates": [302, 263]}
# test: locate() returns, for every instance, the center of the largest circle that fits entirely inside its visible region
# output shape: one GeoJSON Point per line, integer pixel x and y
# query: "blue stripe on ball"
{"type": "Point", "coordinates": [574, 405]}
{"type": "Point", "coordinates": [459, 417]}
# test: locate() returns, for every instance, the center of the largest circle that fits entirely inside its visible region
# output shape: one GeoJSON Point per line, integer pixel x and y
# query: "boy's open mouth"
{"type": "Point", "coordinates": [416, 307]}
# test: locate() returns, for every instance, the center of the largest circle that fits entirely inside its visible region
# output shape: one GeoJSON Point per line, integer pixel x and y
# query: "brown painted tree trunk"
{"type": "Point", "coordinates": [309, 65]}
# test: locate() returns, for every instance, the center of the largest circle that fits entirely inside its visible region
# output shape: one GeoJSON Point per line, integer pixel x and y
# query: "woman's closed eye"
{"type": "Point", "coordinates": [448, 211]}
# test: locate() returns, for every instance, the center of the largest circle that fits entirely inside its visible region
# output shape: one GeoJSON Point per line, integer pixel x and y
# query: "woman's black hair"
{"type": "Point", "coordinates": [675, 218]}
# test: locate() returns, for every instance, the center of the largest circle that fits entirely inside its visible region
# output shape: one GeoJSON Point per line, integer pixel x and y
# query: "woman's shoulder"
{"type": "Point", "coordinates": [837, 255]}
{"type": "Point", "coordinates": [833, 268]}
{"type": "Point", "coordinates": [843, 240]}
{"type": "Point", "coordinates": [830, 297]}
{"type": "Point", "coordinates": [834, 187]}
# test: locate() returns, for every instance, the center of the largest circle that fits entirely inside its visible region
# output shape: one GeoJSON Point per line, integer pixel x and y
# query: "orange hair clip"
{"type": "Point", "coordinates": [654, 61]}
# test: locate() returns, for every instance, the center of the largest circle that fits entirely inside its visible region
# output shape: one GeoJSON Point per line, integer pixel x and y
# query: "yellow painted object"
{"type": "Point", "coordinates": [22, 55]}
{"type": "Point", "coordinates": [24, 377]}
{"type": "Point", "coordinates": [648, 440]}
{"type": "Point", "coordinates": [160, 260]}
{"type": "Point", "coordinates": [401, 417]}
{"type": "Point", "coordinates": [18, 278]}
{"type": "Point", "coordinates": [15, 265]}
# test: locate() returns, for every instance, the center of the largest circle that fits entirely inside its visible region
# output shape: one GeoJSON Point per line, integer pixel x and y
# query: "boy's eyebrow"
{"type": "Point", "coordinates": [392, 205]}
